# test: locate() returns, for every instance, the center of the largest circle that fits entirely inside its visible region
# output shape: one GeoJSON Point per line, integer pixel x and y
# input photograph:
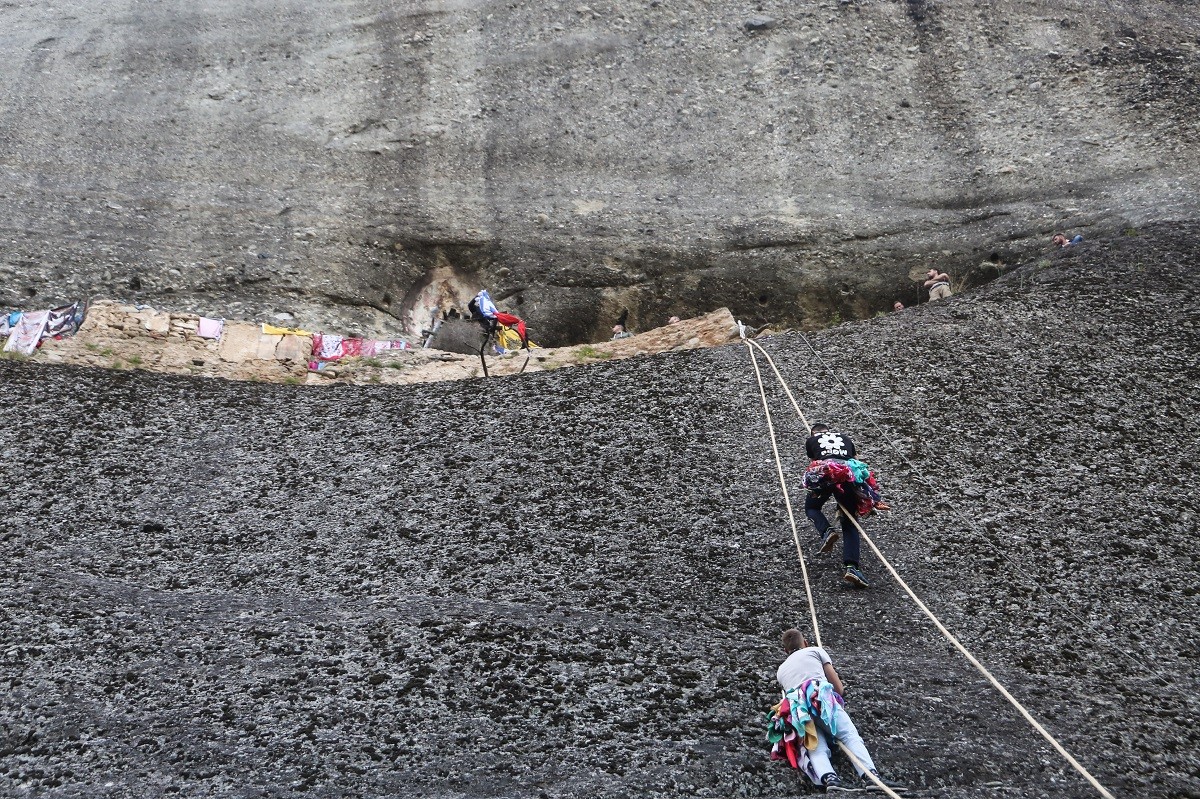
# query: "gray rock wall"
{"type": "Point", "coordinates": [357, 162]}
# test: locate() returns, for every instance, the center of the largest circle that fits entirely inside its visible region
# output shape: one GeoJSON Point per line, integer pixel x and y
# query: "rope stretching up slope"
{"type": "Point", "coordinates": [750, 347]}
{"type": "Point", "coordinates": [812, 607]}
{"type": "Point", "coordinates": [933, 487]}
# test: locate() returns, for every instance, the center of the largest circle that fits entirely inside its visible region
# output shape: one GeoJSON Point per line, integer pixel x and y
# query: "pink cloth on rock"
{"type": "Point", "coordinates": [210, 328]}
{"type": "Point", "coordinates": [27, 333]}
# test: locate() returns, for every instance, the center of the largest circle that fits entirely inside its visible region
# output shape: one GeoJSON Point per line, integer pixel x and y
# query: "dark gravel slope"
{"type": "Point", "coordinates": [571, 584]}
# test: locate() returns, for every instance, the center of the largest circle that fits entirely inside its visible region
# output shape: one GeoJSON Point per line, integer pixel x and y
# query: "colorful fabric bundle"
{"type": "Point", "coordinates": [792, 724]}
{"type": "Point", "coordinates": [828, 474]}
{"type": "Point", "coordinates": [852, 480]}
{"type": "Point", "coordinates": [483, 307]}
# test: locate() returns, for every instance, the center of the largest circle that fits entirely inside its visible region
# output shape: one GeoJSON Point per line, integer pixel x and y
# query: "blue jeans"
{"type": "Point", "coordinates": [848, 735]}
{"type": "Point", "coordinates": [814, 501]}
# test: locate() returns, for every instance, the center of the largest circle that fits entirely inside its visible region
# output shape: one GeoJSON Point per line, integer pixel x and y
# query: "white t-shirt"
{"type": "Point", "coordinates": [803, 664]}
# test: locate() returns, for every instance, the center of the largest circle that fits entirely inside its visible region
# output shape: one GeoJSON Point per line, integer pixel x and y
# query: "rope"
{"type": "Point", "coordinates": [982, 670]}
{"type": "Point", "coordinates": [937, 492]}
{"type": "Point", "coordinates": [896, 576]}
{"type": "Point", "coordinates": [812, 606]}
{"type": "Point", "coordinates": [750, 345]}
{"type": "Point", "coordinates": [863, 770]}
{"type": "Point", "coordinates": [783, 383]}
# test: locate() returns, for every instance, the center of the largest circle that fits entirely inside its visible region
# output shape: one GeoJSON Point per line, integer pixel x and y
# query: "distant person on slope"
{"type": "Point", "coordinates": [835, 472]}
{"type": "Point", "coordinates": [938, 284]}
{"type": "Point", "coordinates": [812, 711]}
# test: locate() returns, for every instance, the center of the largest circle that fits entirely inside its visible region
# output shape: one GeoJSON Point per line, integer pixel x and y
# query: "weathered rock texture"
{"type": "Point", "coordinates": [571, 584]}
{"type": "Point", "coordinates": [358, 162]}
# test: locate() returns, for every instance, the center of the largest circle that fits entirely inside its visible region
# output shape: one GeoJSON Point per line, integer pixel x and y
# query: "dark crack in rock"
{"type": "Point", "coordinates": [571, 584]}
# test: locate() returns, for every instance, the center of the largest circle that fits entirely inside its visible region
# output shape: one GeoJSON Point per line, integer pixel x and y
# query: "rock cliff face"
{"type": "Point", "coordinates": [357, 163]}
{"type": "Point", "coordinates": [571, 584]}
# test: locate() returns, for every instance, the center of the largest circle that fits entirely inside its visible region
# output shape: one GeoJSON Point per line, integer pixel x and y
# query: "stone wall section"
{"type": "Point", "coordinates": [118, 336]}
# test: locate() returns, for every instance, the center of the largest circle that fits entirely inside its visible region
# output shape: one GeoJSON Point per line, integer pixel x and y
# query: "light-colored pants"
{"type": "Point", "coordinates": [848, 735]}
{"type": "Point", "coordinates": [939, 292]}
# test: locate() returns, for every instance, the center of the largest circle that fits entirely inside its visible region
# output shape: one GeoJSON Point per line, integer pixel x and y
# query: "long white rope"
{"type": "Point", "coordinates": [936, 491]}
{"type": "Point", "coordinates": [896, 576]}
{"type": "Point", "coordinates": [862, 769]}
{"type": "Point", "coordinates": [782, 382]}
{"type": "Point", "coordinates": [812, 606]}
{"type": "Point", "coordinates": [982, 669]}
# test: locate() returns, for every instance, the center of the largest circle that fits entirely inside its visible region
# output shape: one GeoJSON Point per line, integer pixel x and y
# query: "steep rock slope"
{"type": "Point", "coordinates": [357, 162]}
{"type": "Point", "coordinates": [572, 583]}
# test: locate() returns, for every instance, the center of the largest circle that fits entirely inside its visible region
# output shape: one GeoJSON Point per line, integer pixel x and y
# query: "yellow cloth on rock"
{"type": "Point", "coordinates": [271, 330]}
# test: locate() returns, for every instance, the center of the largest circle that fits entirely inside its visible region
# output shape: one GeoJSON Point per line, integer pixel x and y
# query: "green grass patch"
{"type": "Point", "coordinates": [588, 351]}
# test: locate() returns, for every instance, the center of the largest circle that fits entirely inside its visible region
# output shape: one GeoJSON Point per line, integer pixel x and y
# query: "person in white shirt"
{"type": "Point", "coordinates": [938, 284]}
{"type": "Point", "coordinates": [805, 663]}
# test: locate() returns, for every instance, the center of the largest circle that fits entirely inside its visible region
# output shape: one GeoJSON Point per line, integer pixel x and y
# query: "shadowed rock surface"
{"type": "Point", "coordinates": [355, 162]}
{"type": "Point", "coordinates": [571, 584]}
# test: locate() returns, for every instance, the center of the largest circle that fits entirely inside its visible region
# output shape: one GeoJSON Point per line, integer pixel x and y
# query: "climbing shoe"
{"type": "Point", "coordinates": [832, 782]}
{"type": "Point", "coordinates": [855, 577]}
{"type": "Point", "coordinates": [827, 542]}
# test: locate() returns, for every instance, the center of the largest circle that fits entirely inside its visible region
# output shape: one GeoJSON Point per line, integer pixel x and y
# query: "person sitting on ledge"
{"type": "Point", "coordinates": [938, 284]}
{"type": "Point", "coordinates": [1061, 241]}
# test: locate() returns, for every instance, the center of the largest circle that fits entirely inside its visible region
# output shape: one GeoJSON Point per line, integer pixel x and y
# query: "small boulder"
{"type": "Point", "coordinates": [759, 23]}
